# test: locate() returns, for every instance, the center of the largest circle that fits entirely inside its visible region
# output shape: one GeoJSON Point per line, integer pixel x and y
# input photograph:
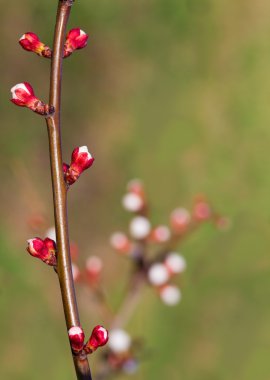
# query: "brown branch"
{"type": "Point", "coordinates": [59, 186]}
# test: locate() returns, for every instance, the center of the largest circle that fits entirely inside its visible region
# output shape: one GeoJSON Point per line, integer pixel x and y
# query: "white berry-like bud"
{"type": "Point", "coordinates": [132, 202]}
{"type": "Point", "coordinates": [175, 263]}
{"type": "Point", "coordinates": [158, 274]}
{"type": "Point", "coordinates": [139, 227]}
{"type": "Point", "coordinates": [170, 295]}
{"type": "Point", "coordinates": [119, 341]}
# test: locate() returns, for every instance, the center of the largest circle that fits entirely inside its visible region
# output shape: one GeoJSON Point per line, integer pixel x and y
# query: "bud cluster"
{"type": "Point", "coordinates": [98, 338]}
{"type": "Point", "coordinates": [76, 39]}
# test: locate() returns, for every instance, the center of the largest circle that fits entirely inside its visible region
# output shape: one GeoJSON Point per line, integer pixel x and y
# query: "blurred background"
{"type": "Point", "coordinates": [175, 92]}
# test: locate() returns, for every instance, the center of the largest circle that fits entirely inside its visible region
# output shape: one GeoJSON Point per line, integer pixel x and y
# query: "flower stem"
{"type": "Point", "coordinates": [59, 186]}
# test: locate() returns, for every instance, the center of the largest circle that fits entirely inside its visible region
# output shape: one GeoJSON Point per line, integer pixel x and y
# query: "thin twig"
{"type": "Point", "coordinates": [59, 186]}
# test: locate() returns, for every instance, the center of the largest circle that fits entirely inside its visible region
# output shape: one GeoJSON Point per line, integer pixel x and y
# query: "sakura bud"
{"type": "Point", "coordinates": [76, 338]}
{"type": "Point", "coordinates": [119, 342]}
{"type": "Point", "coordinates": [132, 202]}
{"type": "Point", "coordinates": [170, 295]}
{"type": "Point", "coordinates": [75, 272]}
{"type": "Point", "coordinates": [139, 227]}
{"type": "Point", "coordinates": [23, 96]}
{"type": "Point", "coordinates": [81, 160]}
{"type": "Point", "coordinates": [30, 42]}
{"type": "Point", "coordinates": [94, 267]}
{"type": "Point", "coordinates": [180, 219]}
{"type": "Point", "coordinates": [201, 210]}
{"type": "Point", "coordinates": [76, 39]}
{"type": "Point", "coordinates": [175, 263]}
{"type": "Point", "coordinates": [44, 250]}
{"type": "Point", "coordinates": [135, 186]}
{"type": "Point", "coordinates": [98, 338]}
{"type": "Point", "coordinates": [161, 234]}
{"type": "Point", "coordinates": [120, 242]}
{"type": "Point", "coordinates": [158, 274]}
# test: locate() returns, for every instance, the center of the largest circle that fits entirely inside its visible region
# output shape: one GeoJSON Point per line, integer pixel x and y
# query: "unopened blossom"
{"type": "Point", "coordinates": [76, 338]}
{"type": "Point", "coordinates": [93, 267]}
{"type": "Point", "coordinates": [120, 242]}
{"type": "Point", "coordinates": [170, 295]}
{"type": "Point", "coordinates": [135, 186]}
{"type": "Point", "coordinates": [98, 338]}
{"type": "Point", "coordinates": [158, 274]}
{"type": "Point", "coordinates": [180, 219]}
{"type": "Point", "coordinates": [160, 234]}
{"type": "Point", "coordinates": [202, 210]}
{"type": "Point", "coordinates": [44, 250]}
{"type": "Point", "coordinates": [23, 95]}
{"type": "Point", "coordinates": [132, 202]}
{"type": "Point", "coordinates": [120, 341]}
{"type": "Point", "coordinates": [31, 42]}
{"type": "Point", "coordinates": [81, 160]}
{"type": "Point", "coordinates": [76, 39]}
{"type": "Point", "coordinates": [175, 263]}
{"type": "Point", "coordinates": [139, 227]}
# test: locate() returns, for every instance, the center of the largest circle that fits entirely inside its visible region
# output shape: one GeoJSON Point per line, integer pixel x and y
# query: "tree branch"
{"type": "Point", "coordinates": [59, 187]}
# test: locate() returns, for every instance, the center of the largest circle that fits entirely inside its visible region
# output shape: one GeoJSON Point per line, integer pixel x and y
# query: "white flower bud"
{"type": "Point", "coordinates": [132, 202]}
{"type": "Point", "coordinates": [175, 263]}
{"type": "Point", "coordinates": [119, 341]}
{"type": "Point", "coordinates": [158, 274]}
{"type": "Point", "coordinates": [170, 295]}
{"type": "Point", "coordinates": [139, 227]}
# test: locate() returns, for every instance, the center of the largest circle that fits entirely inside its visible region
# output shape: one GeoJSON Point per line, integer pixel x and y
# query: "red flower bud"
{"type": "Point", "coordinates": [30, 42]}
{"type": "Point", "coordinates": [44, 250]}
{"type": "Point", "coordinates": [98, 338]}
{"type": "Point", "coordinates": [23, 96]}
{"type": "Point", "coordinates": [81, 160]}
{"type": "Point", "coordinates": [180, 219]}
{"type": "Point", "coordinates": [76, 338]}
{"type": "Point", "coordinates": [76, 39]}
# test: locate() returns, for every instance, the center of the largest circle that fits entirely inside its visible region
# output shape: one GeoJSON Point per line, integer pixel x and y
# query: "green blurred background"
{"type": "Point", "coordinates": [175, 92]}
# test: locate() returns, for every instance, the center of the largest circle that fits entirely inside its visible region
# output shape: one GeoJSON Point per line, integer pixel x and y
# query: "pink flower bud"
{"type": "Point", "coordinates": [76, 338]}
{"type": "Point", "coordinates": [30, 42]}
{"type": "Point", "coordinates": [180, 219]}
{"type": "Point", "coordinates": [76, 39]}
{"type": "Point", "coordinates": [160, 234]}
{"type": "Point", "coordinates": [136, 186]}
{"type": "Point", "coordinates": [120, 242]}
{"type": "Point", "coordinates": [23, 96]}
{"type": "Point", "coordinates": [94, 267]}
{"type": "Point", "coordinates": [44, 250]}
{"type": "Point", "coordinates": [81, 160]}
{"type": "Point", "coordinates": [201, 210]}
{"type": "Point", "coordinates": [98, 338]}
